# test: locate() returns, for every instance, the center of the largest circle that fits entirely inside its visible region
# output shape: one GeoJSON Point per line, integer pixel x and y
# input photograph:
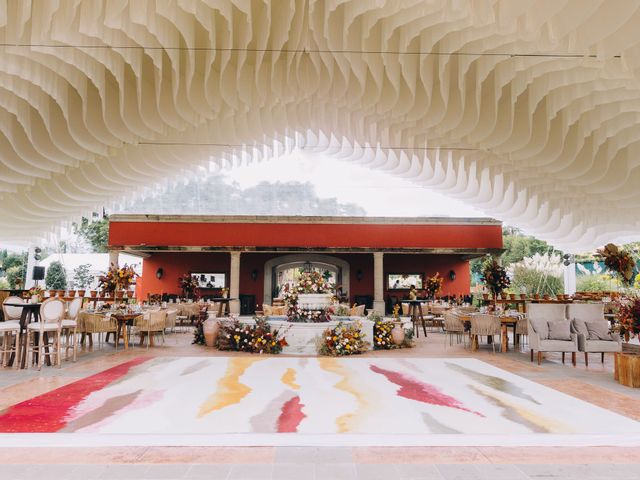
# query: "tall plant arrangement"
{"type": "Point", "coordinates": [188, 284]}
{"type": "Point", "coordinates": [620, 262]}
{"type": "Point", "coordinates": [433, 285]}
{"type": "Point", "coordinates": [494, 276]}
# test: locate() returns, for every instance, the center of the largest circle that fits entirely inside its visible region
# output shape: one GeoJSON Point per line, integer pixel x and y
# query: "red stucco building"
{"type": "Point", "coordinates": [252, 255]}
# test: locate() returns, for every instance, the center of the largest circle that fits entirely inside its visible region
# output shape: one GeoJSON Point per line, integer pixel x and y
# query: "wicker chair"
{"type": "Point", "coordinates": [150, 323]}
{"type": "Point", "coordinates": [90, 323]}
{"type": "Point", "coordinates": [453, 325]}
{"type": "Point", "coordinates": [483, 325]}
{"type": "Point", "coordinates": [438, 316]}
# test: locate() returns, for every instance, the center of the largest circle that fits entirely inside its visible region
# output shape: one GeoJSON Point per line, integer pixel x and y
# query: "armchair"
{"type": "Point", "coordinates": [588, 322]}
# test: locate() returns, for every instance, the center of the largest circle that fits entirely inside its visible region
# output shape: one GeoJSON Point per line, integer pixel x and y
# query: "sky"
{"type": "Point", "coordinates": [377, 192]}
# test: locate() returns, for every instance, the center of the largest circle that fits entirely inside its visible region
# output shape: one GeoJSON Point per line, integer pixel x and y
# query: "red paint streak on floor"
{"type": "Point", "coordinates": [419, 391]}
{"type": "Point", "coordinates": [291, 415]}
{"type": "Point", "coordinates": [47, 413]}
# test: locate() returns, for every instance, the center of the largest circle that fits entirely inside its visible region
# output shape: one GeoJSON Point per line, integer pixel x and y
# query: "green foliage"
{"type": "Point", "coordinates": [15, 275]}
{"type": "Point", "coordinates": [596, 283]}
{"type": "Point", "coordinates": [4, 284]}
{"type": "Point", "coordinates": [56, 277]}
{"type": "Point", "coordinates": [535, 281]}
{"type": "Point", "coordinates": [96, 233]}
{"type": "Point", "coordinates": [518, 246]}
{"type": "Point", "coordinates": [82, 278]}
{"type": "Point", "coordinates": [10, 260]}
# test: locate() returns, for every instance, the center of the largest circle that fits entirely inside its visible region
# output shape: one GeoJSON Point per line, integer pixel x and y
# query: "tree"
{"type": "Point", "coordinates": [56, 277]}
{"type": "Point", "coordinates": [10, 260]}
{"type": "Point", "coordinates": [15, 276]}
{"type": "Point", "coordinates": [82, 277]}
{"type": "Point", "coordinates": [518, 246]}
{"type": "Point", "coordinates": [96, 233]}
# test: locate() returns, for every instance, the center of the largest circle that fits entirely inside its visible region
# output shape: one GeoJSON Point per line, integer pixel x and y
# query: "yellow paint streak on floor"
{"type": "Point", "coordinates": [547, 424]}
{"type": "Point", "coordinates": [289, 379]}
{"type": "Point", "coordinates": [229, 390]}
{"type": "Point", "coordinates": [348, 421]}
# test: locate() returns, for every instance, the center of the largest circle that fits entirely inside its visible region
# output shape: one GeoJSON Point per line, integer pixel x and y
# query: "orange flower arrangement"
{"type": "Point", "coordinates": [117, 278]}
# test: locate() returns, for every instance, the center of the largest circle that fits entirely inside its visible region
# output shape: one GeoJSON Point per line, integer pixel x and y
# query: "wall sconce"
{"type": "Point", "coordinates": [159, 273]}
{"type": "Point", "coordinates": [359, 275]}
{"type": "Point", "coordinates": [452, 275]}
{"type": "Point", "coordinates": [254, 274]}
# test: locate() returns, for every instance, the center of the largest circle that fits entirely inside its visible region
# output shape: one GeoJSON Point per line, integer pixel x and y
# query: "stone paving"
{"type": "Point", "coordinates": [594, 384]}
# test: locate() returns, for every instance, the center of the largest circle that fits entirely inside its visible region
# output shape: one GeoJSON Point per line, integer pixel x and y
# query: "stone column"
{"type": "Point", "coordinates": [378, 282]}
{"type": "Point", "coordinates": [114, 258]}
{"type": "Point", "coordinates": [234, 282]}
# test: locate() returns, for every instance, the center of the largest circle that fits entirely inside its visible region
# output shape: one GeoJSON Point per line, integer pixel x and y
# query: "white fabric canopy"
{"type": "Point", "coordinates": [526, 109]}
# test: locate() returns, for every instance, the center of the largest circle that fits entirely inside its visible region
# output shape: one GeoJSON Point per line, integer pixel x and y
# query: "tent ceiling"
{"type": "Point", "coordinates": [527, 109]}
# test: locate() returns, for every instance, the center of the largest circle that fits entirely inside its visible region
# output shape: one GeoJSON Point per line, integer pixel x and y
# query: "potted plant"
{"type": "Point", "coordinates": [93, 293]}
{"type": "Point", "coordinates": [81, 293]}
{"type": "Point", "coordinates": [494, 276]}
{"type": "Point", "coordinates": [36, 293]}
{"type": "Point", "coordinates": [627, 363]}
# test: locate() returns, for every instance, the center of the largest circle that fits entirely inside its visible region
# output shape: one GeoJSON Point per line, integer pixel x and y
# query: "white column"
{"type": "Point", "coordinates": [114, 258]}
{"type": "Point", "coordinates": [570, 278]}
{"type": "Point", "coordinates": [234, 282]}
{"type": "Point", "coordinates": [31, 262]}
{"type": "Point", "coordinates": [378, 282]}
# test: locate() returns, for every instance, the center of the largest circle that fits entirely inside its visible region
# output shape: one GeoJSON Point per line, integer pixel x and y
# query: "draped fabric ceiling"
{"type": "Point", "coordinates": [527, 109]}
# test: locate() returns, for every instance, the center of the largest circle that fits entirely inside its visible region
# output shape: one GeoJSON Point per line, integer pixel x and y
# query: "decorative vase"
{"type": "Point", "coordinates": [397, 334]}
{"type": "Point", "coordinates": [210, 328]}
{"type": "Point", "coordinates": [35, 298]}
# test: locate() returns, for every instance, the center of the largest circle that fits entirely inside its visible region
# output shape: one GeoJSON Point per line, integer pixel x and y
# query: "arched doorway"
{"type": "Point", "coordinates": [280, 270]}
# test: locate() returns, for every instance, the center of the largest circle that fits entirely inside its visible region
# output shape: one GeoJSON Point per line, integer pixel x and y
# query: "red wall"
{"type": "Point", "coordinates": [304, 235]}
{"type": "Point", "coordinates": [430, 265]}
{"type": "Point", "coordinates": [176, 264]}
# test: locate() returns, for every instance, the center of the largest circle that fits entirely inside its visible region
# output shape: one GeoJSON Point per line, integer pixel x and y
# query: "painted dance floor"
{"type": "Point", "coordinates": [310, 401]}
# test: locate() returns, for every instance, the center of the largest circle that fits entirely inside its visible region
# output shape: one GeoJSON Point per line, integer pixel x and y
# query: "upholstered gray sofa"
{"type": "Point", "coordinates": [560, 339]}
{"type": "Point", "coordinates": [588, 322]}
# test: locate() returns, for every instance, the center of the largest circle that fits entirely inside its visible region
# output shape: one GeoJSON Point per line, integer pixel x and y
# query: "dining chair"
{"type": "Point", "coordinates": [70, 327]}
{"type": "Point", "coordinates": [453, 325]}
{"type": "Point", "coordinates": [10, 331]}
{"type": "Point", "coordinates": [12, 313]}
{"type": "Point", "coordinates": [51, 313]}
{"type": "Point", "coordinates": [150, 323]}
{"type": "Point", "coordinates": [483, 325]}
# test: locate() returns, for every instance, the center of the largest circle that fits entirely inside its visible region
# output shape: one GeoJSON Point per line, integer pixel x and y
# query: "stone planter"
{"type": "Point", "coordinates": [627, 369]}
{"type": "Point", "coordinates": [397, 334]}
{"type": "Point", "coordinates": [314, 301]}
{"type": "Point", "coordinates": [210, 328]}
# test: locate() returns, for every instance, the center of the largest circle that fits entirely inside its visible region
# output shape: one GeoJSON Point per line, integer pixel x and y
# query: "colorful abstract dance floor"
{"type": "Point", "coordinates": [310, 401]}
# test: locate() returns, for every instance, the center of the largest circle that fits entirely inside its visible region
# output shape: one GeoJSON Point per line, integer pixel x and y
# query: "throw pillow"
{"type": "Point", "coordinates": [598, 330]}
{"type": "Point", "coordinates": [540, 327]}
{"type": "Point", "coordinates": [578, 326]}
{"type": "Point", "coordinates": [560, 330]}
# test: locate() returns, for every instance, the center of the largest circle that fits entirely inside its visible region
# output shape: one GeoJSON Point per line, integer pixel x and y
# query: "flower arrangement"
{"type": "Point", "coordinates": [629, 317]}
{"type": "Point", "coordinates": [343, 339]}
{"type": "Point", "coordinates": [382, 336]}
{"type": "Point", "coordinates": [433, 285]}
{"type": "Point", "coordinates": [188, 284]}
{"type": "Point", "coordinates": [309, 282]}
{"type": "Point", "coordinates": [312, 282]}
{"type": "Point", "coordinates": [39, 291]}
{"type": "Point", "coordinates": [620, 262]}
{"type": "Point", "coordinates": [117, 278]}
{"type": "Point", "coordinates": [258, 338]}
{"type": "Point", "coordinates": [494, 276]}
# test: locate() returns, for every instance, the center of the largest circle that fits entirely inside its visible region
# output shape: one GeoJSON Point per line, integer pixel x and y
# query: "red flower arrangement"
{"type": "Point", "coordinates": [620, 262]}
{"type": "Point", "coordinates": [188, 284]}
{"type": "Point", "coordinates": [117, 278]}
{"type": "Point", "coordinates": [494, 276]}
{"type": "Point", "coordinates": [433, 285]}
{"type": "Point", "coordinates": [629, 317]}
